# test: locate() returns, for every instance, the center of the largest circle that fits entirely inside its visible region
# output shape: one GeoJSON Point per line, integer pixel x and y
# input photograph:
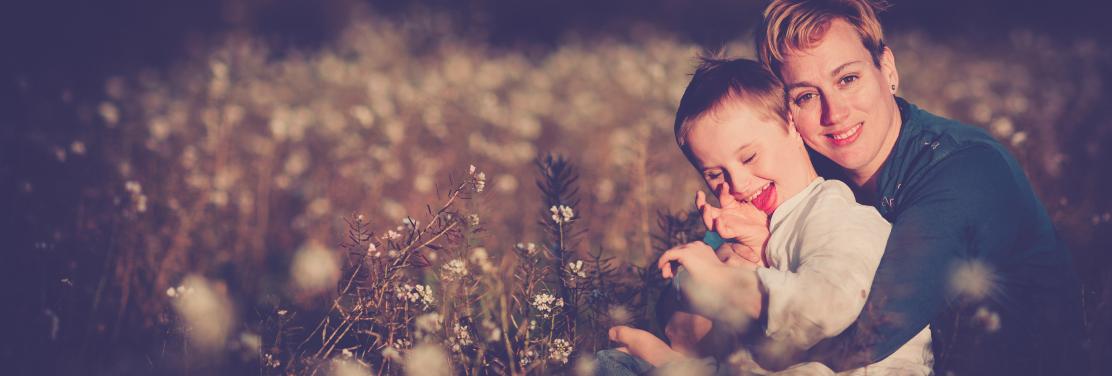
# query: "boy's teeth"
{"type": "Point", "coordinates": [754, 196]}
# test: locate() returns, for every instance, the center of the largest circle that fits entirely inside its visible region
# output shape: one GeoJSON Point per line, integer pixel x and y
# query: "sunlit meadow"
{"type": "Point", "coordinates": [405, 200]}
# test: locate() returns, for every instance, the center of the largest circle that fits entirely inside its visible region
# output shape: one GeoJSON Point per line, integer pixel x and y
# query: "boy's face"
{"type": "Point", "coordinates": [842, 103]}
{"type": "Point", "coordinates": [756, 160]}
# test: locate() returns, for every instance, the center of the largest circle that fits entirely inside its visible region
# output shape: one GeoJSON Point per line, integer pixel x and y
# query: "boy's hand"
{"type": "Point", "coordinates": [740, 255]}
{"type": "Point", "coordinates": [735, 220]}
{"type": "Point", "coordinates": [699, 259]}
{"type": "Point", "coordinates": [643, 345]}
{"type": "Point", "coordinates": [715, 289]}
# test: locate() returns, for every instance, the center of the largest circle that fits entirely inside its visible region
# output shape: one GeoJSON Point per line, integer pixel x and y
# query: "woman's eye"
{"type": "Point", "coordinates": [804, 98]}
{"type": "Point", "coordinates": [848, 80]}
{"type": "Point", "coordinates": [749, 159]}
{"type": "Point", "coordinates": [712, 175]}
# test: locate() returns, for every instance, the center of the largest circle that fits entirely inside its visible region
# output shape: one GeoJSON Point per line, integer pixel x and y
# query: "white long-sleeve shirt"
{"type": "Point", "coordinates": [823, 250]}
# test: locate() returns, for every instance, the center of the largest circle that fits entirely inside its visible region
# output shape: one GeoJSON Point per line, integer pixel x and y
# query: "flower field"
{"type": "Point", "coordinates": [406, 199]}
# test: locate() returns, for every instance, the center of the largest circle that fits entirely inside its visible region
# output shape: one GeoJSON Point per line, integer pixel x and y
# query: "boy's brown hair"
{"type": "Point", "coordinates": [797, 24]}
{"type": "Point", "coordinates": [718, 81]}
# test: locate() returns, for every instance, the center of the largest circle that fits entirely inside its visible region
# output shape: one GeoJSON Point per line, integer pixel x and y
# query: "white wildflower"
{"type": "Point", "coordinates": [271, 361]}
{"type": "Point", "coordinates": [560, 350]}
{"type": "Point", "coordinates": [478, 178]}
{"type": "Point", "coordinates": [455, 269]}
{"type": "Point", "coordinates": [561, 214]}
{"type": "Point", "coordinates": [416, 294]}
{"type": "Point", "coordinates": [461, 337]}
{"type": "Point", "coordinates": [547, 304]}
{"type": "Point", "coordinates": [988, 319]}
{"type": "Point", "coordinates": [575, 269]}
{"type": "Point", "coordinates": [392, 235]}
{"type": "Point", "coordinates": [473, 220]}
{"type": "Point", "coordinates": [527, 358]}
{"type": "Point", "coordinates": [529, 248]}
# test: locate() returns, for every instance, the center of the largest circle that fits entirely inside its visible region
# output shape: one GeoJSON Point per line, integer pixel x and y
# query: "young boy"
{"type": "Point", "coordinates": [821, 247]}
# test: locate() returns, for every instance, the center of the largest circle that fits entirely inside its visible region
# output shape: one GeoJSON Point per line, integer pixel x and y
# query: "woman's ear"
{"type": "Point", "coordinates": [888, 68]}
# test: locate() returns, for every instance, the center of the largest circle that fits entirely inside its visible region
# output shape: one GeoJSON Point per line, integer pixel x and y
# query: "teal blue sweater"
{"type": "Point", "coordinates": [958, 201]}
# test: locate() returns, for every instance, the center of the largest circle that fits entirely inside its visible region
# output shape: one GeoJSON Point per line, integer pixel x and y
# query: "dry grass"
{"type": "Point", "coordinates": [215, 229]}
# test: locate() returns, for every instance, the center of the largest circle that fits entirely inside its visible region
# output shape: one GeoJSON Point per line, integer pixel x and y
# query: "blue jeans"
{"type": "Point", "coordinates": [616, 363]}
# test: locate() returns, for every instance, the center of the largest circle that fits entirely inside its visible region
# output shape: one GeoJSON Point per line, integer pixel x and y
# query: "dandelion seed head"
{"type": "Point", "coordinates": [585, 365]}
{"type": "Point", "coordinates": [972, 279]}
{"type": "Point", "coordinates": [480, 257]}
{"type": "Point", "coordinates": [505, 183]}
{"type": "Point", "coordinates": [619, 314]}
{"type": "Point", "coordinates": [206, 311]}
{"type": "Point", "coordinates": [348, 366]}
{"type": "Point", "coordinates": [428, 323]}
{"type": "Point", "coordinates": [251, 342]}
{"type": "Point", "coordinates": [109, 113]}
{"type": "Point", "coordinates": [392, 354]}
{"type": "Point", "coordinates": [427, 360]}
{"type": "Point", "coordinates": [77, 147]}
{"type": "Point", "coordinates": [314, 269]}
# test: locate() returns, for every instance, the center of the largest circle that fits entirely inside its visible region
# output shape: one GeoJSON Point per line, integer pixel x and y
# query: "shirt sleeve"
{"type": "Point", "coordinates": [840, 244]}
{"type": "Point", "coordinates": [969, 205]}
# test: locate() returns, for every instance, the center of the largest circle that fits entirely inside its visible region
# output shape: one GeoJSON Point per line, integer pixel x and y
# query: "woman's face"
{"type": "Point", "coordinates": [754, 159]}
{"type": "Point", "coordinates": [841, 101]}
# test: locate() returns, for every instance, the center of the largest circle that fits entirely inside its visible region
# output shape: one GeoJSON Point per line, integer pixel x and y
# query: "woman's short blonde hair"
{"type": "Point", "coordinates": [798, 24]}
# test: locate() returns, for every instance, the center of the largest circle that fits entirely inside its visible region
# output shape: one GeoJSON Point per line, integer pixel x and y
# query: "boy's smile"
{"type": "Point", "coordinates": [752, 158]}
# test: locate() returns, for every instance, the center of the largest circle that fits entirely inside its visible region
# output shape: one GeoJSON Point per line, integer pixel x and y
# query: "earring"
{"type": "Point", "coordinates": [893, 88]}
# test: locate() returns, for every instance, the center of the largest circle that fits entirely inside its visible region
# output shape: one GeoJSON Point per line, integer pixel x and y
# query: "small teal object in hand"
{"type": "Point", "coordinates": [714, 241]}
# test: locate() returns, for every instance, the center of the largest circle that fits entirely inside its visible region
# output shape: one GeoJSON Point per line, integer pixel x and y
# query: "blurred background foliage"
{"type": "Point", "coordinates": [150, 140]}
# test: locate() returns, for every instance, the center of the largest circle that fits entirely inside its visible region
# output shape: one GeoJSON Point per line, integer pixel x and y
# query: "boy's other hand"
{"type": "Point", "coordinates": [735, 220]}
